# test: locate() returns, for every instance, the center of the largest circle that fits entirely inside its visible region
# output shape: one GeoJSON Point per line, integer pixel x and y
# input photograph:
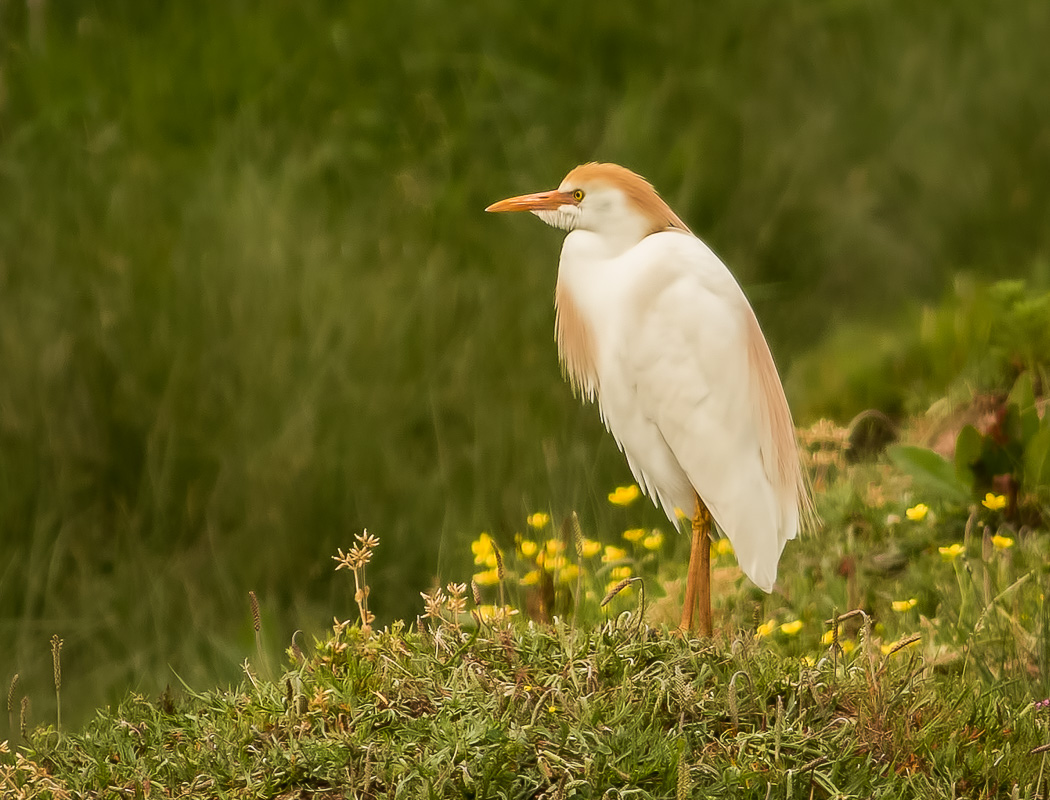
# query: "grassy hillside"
{"type": "Point", "coordinates": [934, 687]}
{"type": "Point", "coordinates": [249, 304]}
{"type": "Point", "coordinates": [554, 713]}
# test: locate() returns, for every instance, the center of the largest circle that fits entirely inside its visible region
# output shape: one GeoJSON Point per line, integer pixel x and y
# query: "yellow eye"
{"type": "Point", "coordinates": [577, 195]}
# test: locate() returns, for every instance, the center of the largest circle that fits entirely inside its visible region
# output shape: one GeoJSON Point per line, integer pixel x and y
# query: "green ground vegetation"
{"type": "Point", "coordinates": [250, 306]}
{"type": "Point", "coordinates": [938, 688]}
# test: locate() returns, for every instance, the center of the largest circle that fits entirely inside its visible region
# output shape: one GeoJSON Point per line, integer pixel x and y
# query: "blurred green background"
{"type": "Point", "coordinates": [250, 304]}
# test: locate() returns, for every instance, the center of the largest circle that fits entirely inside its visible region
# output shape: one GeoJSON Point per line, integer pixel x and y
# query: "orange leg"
{"type": "Point", "coordinates": [698, 580]}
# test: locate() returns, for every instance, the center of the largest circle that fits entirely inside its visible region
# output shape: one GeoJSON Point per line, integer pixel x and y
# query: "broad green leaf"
{"type": "Point", "coordinates": [1037, 460]}
{"type": "Point", "coordinates": [968, 448]}
{"type": "Point", "coordinates": [1022, 396]}
{"type": "Point", "coordinates": [930, 472]}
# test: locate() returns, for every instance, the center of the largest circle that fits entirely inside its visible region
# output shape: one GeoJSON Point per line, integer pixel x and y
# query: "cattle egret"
{"type": "Point", "coordinates": [653, 326]}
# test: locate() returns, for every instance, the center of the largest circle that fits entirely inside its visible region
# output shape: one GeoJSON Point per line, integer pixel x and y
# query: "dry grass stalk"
{"type": "Point", "coordinates": [56, 658]}
{"type": "Point", "coordinates": [356, 560]}
{"type": "Point", "coordinates": [12, 689]}
{"type": "Point", "coordinates": [253, 601]}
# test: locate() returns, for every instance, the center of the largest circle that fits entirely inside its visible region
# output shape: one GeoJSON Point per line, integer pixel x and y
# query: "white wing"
{"type": "Point", "coordinates": [688, 398]}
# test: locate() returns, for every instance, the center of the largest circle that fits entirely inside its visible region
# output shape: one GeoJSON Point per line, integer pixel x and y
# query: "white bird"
{"type": "Point", "coordinates": [653, 326]}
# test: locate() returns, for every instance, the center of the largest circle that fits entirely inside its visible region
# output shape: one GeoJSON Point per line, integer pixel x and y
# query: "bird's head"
{"type": "Point", "coordinates": [606, 199]}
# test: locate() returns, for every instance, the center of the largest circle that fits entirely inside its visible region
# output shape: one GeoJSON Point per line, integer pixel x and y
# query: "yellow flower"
{"type": "Point", "coordinates": [766, 628]}
{"type": "Point", "coordinates": [724, 547]}
{"type": "Point", "coordinates": [489, 577]}
{"type": "Point", "coordinates": [528, 548]}
{"type": "Point", "coordinates": [1002, 542]}
{"type": "Point", "coordinates": [847, 645]}
{"type": "Point", "coordinates": [482, 548]}
{"type": "Point", "coordinates": [619, 573]}
{"type": "Point", "coordinates": [680, 514]}
{"type": "Point", "coordinates": [554, 546]}
{"type": "Point", "coordinates": [569, 573]}
{"type": "Point", "coordinates": [994, 502]}
{"type": "Point", "coordinates": [951, 553]}
{"type": "Point", "coordinates": [634, 534]}
{"type": "Point", "coordinates": [495, 613]}
{"type": "Point", "coordinates": [653, 541]}
{"type": "Point", "coordinates": [918, 512]}
{"type": "Point", "coordinates": [531, 578]}
{"type": "Point", "coordinates": [625, 495]}
{"type": "Point", "coordinates": [538, 520]}
{"type": "Point", "coordinates": [613, 553]}
{"type": "Point", "coordinates": [555, 563]}
{"type": "Point", "coordinates": [829, 637]}
{"type": "Point", "coordinates": [590, 548]}
{"type": "Point", "coordinates": [791, 628]}
{"type": "Point", "coordinates": [904, 605]}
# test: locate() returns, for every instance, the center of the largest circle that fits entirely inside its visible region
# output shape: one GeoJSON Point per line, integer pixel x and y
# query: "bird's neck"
{"type": "Point", "coordinates": [588, 273]}
{"type": "Point", "coordinates": [584, 246]}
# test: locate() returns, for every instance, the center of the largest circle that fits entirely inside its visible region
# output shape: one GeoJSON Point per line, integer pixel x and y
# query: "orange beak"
{"type": "Point", "coordinates": [541, 201]}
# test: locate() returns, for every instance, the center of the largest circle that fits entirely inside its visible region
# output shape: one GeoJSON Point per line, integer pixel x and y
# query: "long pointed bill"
{"type": "Point", "coordinates": [541, 201]}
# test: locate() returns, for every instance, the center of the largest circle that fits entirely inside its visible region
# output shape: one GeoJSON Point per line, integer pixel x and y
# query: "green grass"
{"type": "Point", "coordinates": [249, 304]}
{"type": "Point", "coordinates": [936, 685]}
{"type": "Point", "coordinates": [556, 711]}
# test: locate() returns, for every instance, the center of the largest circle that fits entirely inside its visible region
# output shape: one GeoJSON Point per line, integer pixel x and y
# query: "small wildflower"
{"type": "Point", "coordinates": [1002, 542]}
{"type": "Point", "coordinates": [457, 601]}
{"type": "Point", "coordinates": [538, 520]}
{"type": "Point", "coordinates": [766, 628]}
{"type": "Point", "coordinates": [489, 577]}
{"type": "Point", "coordinates": [482, 548]}
{"type": "Point", "coordinates": [590, 548]}
{"type": "Point", "coordinates": [994, 502]}
{"type": "Point", "coordinates": [568, 573]}
{"type": "Point", "coordinates": [680, 514]}
{"type": "Point", "coordinates": [724, 547]}
{"type": "Point", "coordinates": [847, 645]}
{"type": "Point", "coordinates": [791, 628]}
{"type": "Point", "coordinates": [634, 534]}
{"type": "Point", "coordinates": [625, 495]}
{"type": "Point", "coordinates": [531, 578]}
{"type": "Point", "coordinates": [951, 553]}
{"type": "Point", "coordinates": [613, 553]}
{"type": "Point", "coordinates": [528, 548]}
{"type": "Point", "coordinates": [433, 601]}
{"type": "Point", "coordinates": [555, 563]}
{"type": "Point", "coordinates": [619, 573]}
{"type": "Point", "coordinates": [892, 519]}
{"type": "Point", "coordinates": [904, 605]}
{"type": "Point", "coordinates": [829, 636]}
{"type": "Point", "coordinates": [554, 546]}
{"type": "Point", "coordinates": [489, 613]}
{"type": "Point", "coordinates": [653, 541]}
{"type": "Point", "coordinates": [917, 513]}
{"type": "Point", "coordinates": [343, 560]}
